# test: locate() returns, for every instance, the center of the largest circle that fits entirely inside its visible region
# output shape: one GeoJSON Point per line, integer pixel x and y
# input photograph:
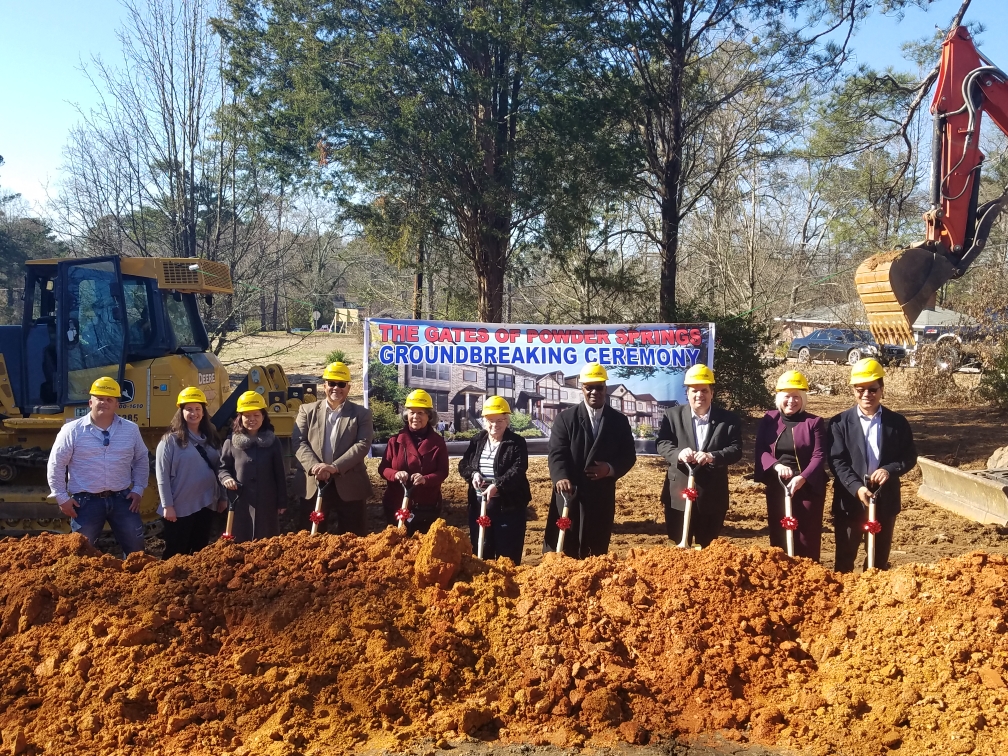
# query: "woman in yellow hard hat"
{"type": "Point", "coordinates": [416, 458]}
{"type": "Point", "coordinates": [870, 448]}
{"type": "Point", "coordinates": [791, 447]}
{"type": "Point", "coordinates": [186, 462]}
{"type": "Point", "coordinates": [252, 464]}
{"type": "Point", "coordinates": [496, 463]}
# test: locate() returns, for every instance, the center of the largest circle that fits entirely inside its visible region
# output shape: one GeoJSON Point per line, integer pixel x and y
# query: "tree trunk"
{"type": "Point", "coordinates": [491, 256]}
{"type": "Point", "coordinates": [672, 192]}
{"type": "Point", "coordinates": [418, 281]}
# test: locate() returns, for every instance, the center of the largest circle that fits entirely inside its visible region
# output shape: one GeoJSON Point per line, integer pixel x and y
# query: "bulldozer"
{"type": "Point", "coordinates": [135, 319]}
{"type": "Point", "coordinates": [897, 286]}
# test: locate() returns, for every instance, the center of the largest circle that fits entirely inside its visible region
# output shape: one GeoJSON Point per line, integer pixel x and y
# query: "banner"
{"type": "Point", "coordinates": [534, 367]}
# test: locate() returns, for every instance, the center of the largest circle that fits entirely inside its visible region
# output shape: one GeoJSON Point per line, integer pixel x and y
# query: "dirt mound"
{"type": "Point", "coordinates": [318, 645]}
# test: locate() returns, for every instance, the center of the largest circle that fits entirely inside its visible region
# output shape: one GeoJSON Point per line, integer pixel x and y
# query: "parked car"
{"type": "Point", "coordinates": [843, 345]}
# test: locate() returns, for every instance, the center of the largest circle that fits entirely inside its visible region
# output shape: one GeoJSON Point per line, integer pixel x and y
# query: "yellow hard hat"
{"type": "Point", "coordinates": [419, 399]}
{"type": "Point", "coordinates": [866, 371]}
{"type": "Point", "coordinates": [792, 380]}
{"type": "Point", "coordinates": [336, 371]}
{"type": "Point", "coordinates": [105, 386]}
{"type": "Point", "coordinates": [251, 400]}
{"type": "Point", "coordinates": [495, 405]}
{"type": "Point", "coordinates": [189, 395]}
{"type": "Point", "coordinates": [594, 373]}
{"type": "Point", "coordinates": [699, 375]}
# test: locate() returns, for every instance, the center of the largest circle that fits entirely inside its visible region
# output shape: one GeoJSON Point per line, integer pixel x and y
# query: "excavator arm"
{"type": "Point", "coordinates": [896, 286]}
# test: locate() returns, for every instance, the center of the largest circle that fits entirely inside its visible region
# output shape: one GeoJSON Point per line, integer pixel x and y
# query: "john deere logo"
{"type": "Point", "coordinates": [128, 389]}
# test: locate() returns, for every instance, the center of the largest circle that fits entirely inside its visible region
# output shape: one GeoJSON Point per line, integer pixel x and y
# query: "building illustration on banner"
{"type": "Point", "coordinates": [536, 367]}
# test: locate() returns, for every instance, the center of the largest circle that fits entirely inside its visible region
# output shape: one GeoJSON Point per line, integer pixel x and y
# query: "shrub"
{"type": "Point", "coordinates": [384, 383]}
{"type": "Point", "coordinates": [466, 434]}
{"type": "Point", "coordinates": [644, 430]}
{"type": "Point", "coordinates": [387, 422]}
{"type": "Point", "coordinates": [520, 421]}
{"type": "Point", "coordinates": [993, 386]}
{"type": "Point", "coordinates": [338, 355]}
{"type": "Point", "coordinates": [530, 433]}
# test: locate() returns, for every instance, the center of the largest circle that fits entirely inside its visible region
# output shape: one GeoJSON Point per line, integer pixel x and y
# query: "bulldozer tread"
{"type": "Point", "coordinates": [21, 457]}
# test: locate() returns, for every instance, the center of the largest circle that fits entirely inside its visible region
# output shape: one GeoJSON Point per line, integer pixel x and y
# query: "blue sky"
{"type": "Point", "coordinates": [42, 44]}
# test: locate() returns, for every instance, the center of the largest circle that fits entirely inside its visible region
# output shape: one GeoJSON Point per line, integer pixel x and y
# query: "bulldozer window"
{"type": "Point", "coordinates": [40, 345]}
{"type": "Point", "coordinates": [94, 337]}
{"type": "Point", "coordinates": [180, 318]}
{"type": "Point", "coordinates": [142, 333]}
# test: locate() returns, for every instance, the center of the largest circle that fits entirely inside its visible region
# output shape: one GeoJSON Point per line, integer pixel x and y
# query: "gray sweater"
{"type": "Point", "coordinates": [184, 479]}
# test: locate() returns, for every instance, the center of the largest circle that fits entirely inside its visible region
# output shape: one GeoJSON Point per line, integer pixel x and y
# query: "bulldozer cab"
{"type": "Point", "coordinates": [84, 319]}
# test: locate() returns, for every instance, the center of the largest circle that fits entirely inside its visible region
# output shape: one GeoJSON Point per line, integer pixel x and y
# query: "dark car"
{"type": "Point", "coordinates": [842, 345]}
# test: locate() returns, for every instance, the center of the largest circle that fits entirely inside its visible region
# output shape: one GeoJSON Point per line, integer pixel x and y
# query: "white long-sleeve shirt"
{"type": "Point", "coordinates": [80, 461]}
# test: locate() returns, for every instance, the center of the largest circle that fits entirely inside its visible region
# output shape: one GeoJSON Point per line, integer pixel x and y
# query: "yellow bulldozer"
{"type": "Point", "coordinates": [132, 318]}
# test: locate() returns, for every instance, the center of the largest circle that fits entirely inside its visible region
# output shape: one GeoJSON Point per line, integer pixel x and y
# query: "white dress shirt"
{"type": "Point", "coordinates": [595, 415]}
{"type": "Point", "coordinates": [872, 427]}
{"type": "Point", "coordinates": [81, 462]}
{"type": "Point", "coordinates": [701, 424]}
{"type": "Point", "coordinates": [332, 415]}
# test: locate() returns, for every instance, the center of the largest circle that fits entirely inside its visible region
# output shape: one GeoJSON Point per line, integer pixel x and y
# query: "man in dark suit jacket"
{"type": "Point", "coordinates": [590, 447]}
{"type": "Point", "coordinates": [331, 440]}
{"type": "Point", "coordinates": [708, 438]}
{"type": "Point", "coordinates": [870, 447]}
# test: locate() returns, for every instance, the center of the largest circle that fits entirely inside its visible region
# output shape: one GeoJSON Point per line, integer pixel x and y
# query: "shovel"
{"type": "Point", "coordinates": [483, 520]}
{"type": "Point", "coordinates": [227, 535]}
{"type": "Point", "coordinates": [317, 517]}
{"type": "Point", "coordinates": [788, 522]}
{"type": "Point", "coordinates": [689, 494]}
{"type": "Point", "coordinates": [404, 515]}
{"type": "Point", "coordinates": [872, 527]}
{"type": "Point", "coordinates": [564, 522]}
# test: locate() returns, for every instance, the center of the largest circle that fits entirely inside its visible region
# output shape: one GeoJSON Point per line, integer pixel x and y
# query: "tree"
{"type": "Point", "coordinates": [471, 107]}
{"type": "Point", "coordinates": [692, 59]}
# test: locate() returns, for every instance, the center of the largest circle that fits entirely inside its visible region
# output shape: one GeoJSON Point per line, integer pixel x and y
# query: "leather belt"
{"type": "Point", "coordinates": [102, 495]}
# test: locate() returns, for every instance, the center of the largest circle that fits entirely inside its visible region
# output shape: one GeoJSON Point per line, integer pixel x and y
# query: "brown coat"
{"type": "Point", "coordinates": [354, 434]}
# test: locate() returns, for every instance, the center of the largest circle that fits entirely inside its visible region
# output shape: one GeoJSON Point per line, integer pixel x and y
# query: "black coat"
{"type": "Point", "coordinates": [510, 470]}
{"type": "Point", "coordinates": [723, 442]}
{"type": "Point", "coordinates": [572, 448]}
{"type": "Point", "coordinates": [257, 463]}
{"type": "Point", "coordinates": [849, 462]}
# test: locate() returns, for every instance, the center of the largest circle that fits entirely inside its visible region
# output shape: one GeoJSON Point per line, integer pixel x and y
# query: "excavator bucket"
{"type": "Point", "coordinates": [896, 286]}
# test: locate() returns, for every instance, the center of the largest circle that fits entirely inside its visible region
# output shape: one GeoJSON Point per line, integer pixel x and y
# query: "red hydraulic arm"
{"type": "Point", "coordinates": [968, 87]}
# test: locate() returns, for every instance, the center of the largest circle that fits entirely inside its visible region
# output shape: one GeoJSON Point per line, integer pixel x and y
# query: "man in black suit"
{"type": "Point", "coordinates": [870, 448]}
{"type": "Point", "coordinates": [591, 446]}
{"type": "Point", "coordinates": [707, 438]}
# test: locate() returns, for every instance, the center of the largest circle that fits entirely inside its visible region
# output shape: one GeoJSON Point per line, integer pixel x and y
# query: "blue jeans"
{"type": "Point", "coordinates": [127, 527]}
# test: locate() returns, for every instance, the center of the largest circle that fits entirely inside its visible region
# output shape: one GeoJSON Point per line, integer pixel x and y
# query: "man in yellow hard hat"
{"type": "Point", "coordinates": [591, 446]}
{"type": "Point", "coordinates": [332, 438]}
{"type": "Point", "coordinates": [708, 439]}
{"type": "Point", "coordinates": [98, 470]}
{"type": "Point", "coordinates": [870, 447]}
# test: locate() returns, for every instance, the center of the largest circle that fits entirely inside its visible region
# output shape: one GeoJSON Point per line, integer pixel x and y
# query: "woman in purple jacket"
{"type": "Point", "coordinates": [791, 446]}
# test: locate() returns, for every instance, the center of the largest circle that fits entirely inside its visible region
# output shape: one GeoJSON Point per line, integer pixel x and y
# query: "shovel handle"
{"type": "Point", "coordinates": [407, 493]}
{"type": "Point", "coordinates": [684, 543]}
{"type": "Point", "coordinates": [482, 530]}
{"type": "Point", "coordinates": [564, 515]}
{"type": "Point", "coordinates": [870, 545]}
{"type": "Point", "coordinates": [318, 505]}
{"type": "Point", "coordinates": [788, 513]}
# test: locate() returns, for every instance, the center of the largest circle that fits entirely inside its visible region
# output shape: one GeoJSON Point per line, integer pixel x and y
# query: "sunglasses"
{"type": "Point", "coordinates": [105, 438]}
{"type": "Point", "coordinates": [336, 384]}
{"type": "Point", "coordinates": [867, 389]}
{"type": "Point", "coordinates": [594, 387]}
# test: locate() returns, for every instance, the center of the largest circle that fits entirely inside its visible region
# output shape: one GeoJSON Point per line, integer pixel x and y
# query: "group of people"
{"type": "Point", "coordinates": [98, 468]}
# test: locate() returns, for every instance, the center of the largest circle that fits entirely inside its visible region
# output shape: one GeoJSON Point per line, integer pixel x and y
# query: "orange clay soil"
{"type": "Point", "coordinates": [328, 645]}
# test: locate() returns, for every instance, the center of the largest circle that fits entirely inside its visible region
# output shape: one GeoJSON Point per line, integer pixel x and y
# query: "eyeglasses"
{"type": "Point", "coordinates": [336, 384]}
{"type": "Point", "coordinates": [593, 386]}
{"type": "Point", "coordinates": [105, 438]}
{"type": "Point", "coordinates": [867, 389]}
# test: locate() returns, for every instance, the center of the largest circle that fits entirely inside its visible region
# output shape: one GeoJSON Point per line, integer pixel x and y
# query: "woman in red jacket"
{"type": "Point", "coordinates": [791, 446]}
{"type": "Point", "coordinates": [417, 458]}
